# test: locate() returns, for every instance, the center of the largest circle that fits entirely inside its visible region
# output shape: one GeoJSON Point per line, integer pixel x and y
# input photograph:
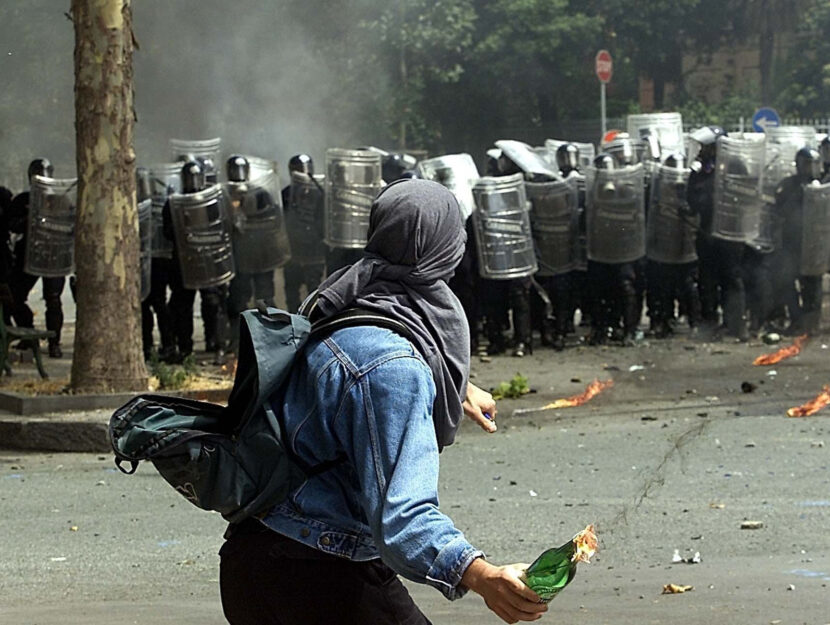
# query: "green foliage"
{"type": "Point", "coordinates": [173, 377]}
{"type": "Point", "coordinates": [513, 389]}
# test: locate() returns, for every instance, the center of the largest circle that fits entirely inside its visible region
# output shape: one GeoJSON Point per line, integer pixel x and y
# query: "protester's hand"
{"type": "Point", "coordinates": [503, 590]}
{"type": "Point", "coordinates": [480, 407]}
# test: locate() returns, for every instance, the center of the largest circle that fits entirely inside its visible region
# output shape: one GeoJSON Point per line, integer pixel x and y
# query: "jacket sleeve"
{"type": "Point", "coordinates": [398, 474]}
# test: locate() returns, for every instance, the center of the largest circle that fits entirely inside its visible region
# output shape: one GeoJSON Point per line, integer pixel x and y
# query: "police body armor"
{"type": "Point", "coordinates": [203, 241]}
{"type": "Point", "coordinates": [668, 127]}
{"type": "Point", "coordinates": [553, 222]}
{"type": "Point", "coordinates": [50, 240]}
{"type": "Point", "coordinates": [738, 199]}
{"type": "Point", "coordinates": [502, 228]}
{"type": "Point", "coordinates": [304, 218]}
{"type": "Point", "coordinates": [587, 151]}
{"type": "Point", "coordinates": [780, 145]}
{"type": "Point", "coordinates": [815, 234]}
{"type": "Point", "coordinates": [145, 236]}
{"type": "Point", "coordinates": [615, 214]}
{"type": "Point", "coordinates": [259, 235]}
{"type": "Point", "coordinates": [353, 180]}
{"type": "Point", "coordinates": [528, 160]}
{"type": "Point", "coordinates": [165, 179]}
{"type": "Point", "coordinates": [457, 172]}
{"type": "Point", "coordinates": [671, 229]}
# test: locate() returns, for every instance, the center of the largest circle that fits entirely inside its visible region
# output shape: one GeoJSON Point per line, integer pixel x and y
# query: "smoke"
{"type": "Point", "coordinates": [253, 73]}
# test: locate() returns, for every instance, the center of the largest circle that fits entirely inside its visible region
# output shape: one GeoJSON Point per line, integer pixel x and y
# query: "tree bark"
{"type": "Point", "coordinates": [107, 354]}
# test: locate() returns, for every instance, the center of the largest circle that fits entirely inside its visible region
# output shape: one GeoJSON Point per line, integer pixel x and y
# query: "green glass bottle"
{"type": "Point", "coordinates": [555, 568]}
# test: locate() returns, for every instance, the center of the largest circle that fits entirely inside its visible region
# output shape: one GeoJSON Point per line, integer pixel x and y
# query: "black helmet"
{"type": "Point", "coordinates": [409, 174]}
{"type": "Point", "coordinates": [707, 135]}
{"type": "Point", "coordinates": [193, 177]}
{"type": "Point", "coordinates": [603, 160]}
{"type": "Point", "coordinates": [238, 168]}
{"type": "Point", "coordinates": [143, 184]}
{"type": "Point", "coordinates": [676, 160]}
{"type": "Point", "coordinates": [392, 166]}
{"type": "Point", "coordinates": [209, 169]}
{"type": "Point", "coordinates": [507, 166]}
{"type": "Point", "coordinates": [567, 158]}
{"type": "Point", "coordinates": [824, 148]}
{"type": "Point", "coordinates": [808, 164]}
{"type": "Point", "coordinates": [622, 150]}
{"type": "Point", "coordinates": [40, 167]}
{"type": "Point", "coordinates": [301, 163]}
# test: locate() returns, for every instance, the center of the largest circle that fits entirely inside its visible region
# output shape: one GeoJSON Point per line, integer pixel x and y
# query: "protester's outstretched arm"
{"type": "Point", "coordinates": [503, 590]}
{"type": "Point", "coordinates": [480, 406]}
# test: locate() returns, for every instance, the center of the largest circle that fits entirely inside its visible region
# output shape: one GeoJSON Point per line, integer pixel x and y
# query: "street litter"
{"type": "Point", "coordinates": [633, 368]}
{"type": "Point", "coordinates": [717, 506]}
{"type": "Point", "coordinates": [813, 406]}
{"type": "Point", "coordinates": [676, 589]}
{"type": "Point", "coordinates": [752, 525]}
{"type": "Point", "coordinates": [783, 353]}
{"type": "Point", "coordinates": [593, 389]}
{"type": "Point", "coordinates": [748, 387]}
{"type": "Point", "coordinates": [676, 557]}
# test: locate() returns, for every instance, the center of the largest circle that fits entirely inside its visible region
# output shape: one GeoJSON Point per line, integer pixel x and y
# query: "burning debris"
{"type": "Point", "coordinates": [783, 353]}
{"type": "Point", "coordinates": [813, 406]}
{"type": "Point", "coordinates": [591, 391]}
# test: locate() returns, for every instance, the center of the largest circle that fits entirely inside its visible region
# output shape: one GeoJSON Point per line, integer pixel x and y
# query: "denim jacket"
{"type": "Point", "coordinates": [364, 394]}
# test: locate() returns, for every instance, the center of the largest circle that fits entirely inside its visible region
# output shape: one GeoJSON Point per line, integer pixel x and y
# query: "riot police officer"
{"type": "Point", "coordinates": [824, 148]}
{"type": "Point", "coordinates": [21, 282]}
{"type": "Point", "coordinates": [303, 201]}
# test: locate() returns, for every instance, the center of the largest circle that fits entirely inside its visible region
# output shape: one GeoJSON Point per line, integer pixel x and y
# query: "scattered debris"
{"type": "Point", "coordinates": [648, 417]}
{"type": "Point", "coordinates": [717, 506]}
{"type": "Point", "coordinates": [676, 589]}
{"type": "Point", "coordinates": [817, 444]}
{"type": "Point", "coordinates": [813, 406]}
{"type": "Point", "coordinates": [752, 525]}
{"type": "Point", "coordinates": [73, 528]}
{"type": "Point", "coordinates": [593, 389]}
{"type": "Point", "coordinates": [695, 559]}
{"type": "Point", "coordinates": [748, 387]}
{"type": "Point", "coordinates": [749, 444]}
{"type": "Point", "coordinates": [58, 559]}
{"type": "Point", "coordinates": [783, 353]}
{"type": "Point", "coordinates": [634, 368]}
{"type": "Point", "coordinates": [771, 338]}
{"type": "Point", "coordinates": [533, 493]}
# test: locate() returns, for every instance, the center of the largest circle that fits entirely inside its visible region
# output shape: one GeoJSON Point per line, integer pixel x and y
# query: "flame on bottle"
{"type": "Point", "coordinates": [593, 389]}
{"type": "Point", "coordinates": [585, 544]}
{"type": "Point", "coordinates": [813, 406]}
{"type": "Point", "coordinates": [783, 353]}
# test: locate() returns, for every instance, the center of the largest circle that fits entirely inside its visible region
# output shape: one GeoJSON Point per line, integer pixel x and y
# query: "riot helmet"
{"type": "Point", "coordinates": [40, 167]}
{"type": "Point", "coordinates": [301, 163]}
{"type": "Point", "coordinates": [209, 169]}
{"type": "Point", "coordinates": [492, 167]}
{"type": "Point", "coordinates": [675, 160]}
{"type": "Point", "coordinates": [409, 174]}
{"type": "Point", "coordinates": [193, 177]}
{"type": "Point", "coordinates": [808, 164]}
{"type": "Point", "coordinates": [707, 137]}
{"type": "Point", "coordinates": [622, 150]}
{"type": "Point", "coordinates": [392, 166]}
{"type": "Point", "coordinates": [567, 158]}
{"type": "Point", "coordinates": [603, 160]}
{"type": "Point", "coordinates": [506, 166]}
{"type": "Point", "coordinates": [652, 143]}
{"type": "Point", "coordinates": [143, 184]}
{"type": "Point", "coordinates": [238, 168]}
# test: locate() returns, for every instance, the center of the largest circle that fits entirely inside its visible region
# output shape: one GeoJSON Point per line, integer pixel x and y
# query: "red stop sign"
{"type": "Point", "coordinates": [604, 66]}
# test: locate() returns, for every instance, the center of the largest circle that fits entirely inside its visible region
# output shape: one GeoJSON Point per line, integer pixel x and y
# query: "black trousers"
{"type": "Point", "coordinates": [156, 306]}
{"type": "Point", "coordinates": [21, 284]}
{"type": "Point", "coordinates": [267, 579]}
{"type": "Point", "coordinates": [669, 282]}
{"type": "Point", "coordinates": [296, 275]}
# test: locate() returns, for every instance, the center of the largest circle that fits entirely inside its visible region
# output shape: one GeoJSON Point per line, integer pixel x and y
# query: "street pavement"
{"type": "Point", "coordinates": [675, 456]}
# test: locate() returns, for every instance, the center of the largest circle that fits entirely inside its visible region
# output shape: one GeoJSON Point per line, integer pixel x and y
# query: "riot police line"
{"type": "Point", "coordinates": [729, 233]}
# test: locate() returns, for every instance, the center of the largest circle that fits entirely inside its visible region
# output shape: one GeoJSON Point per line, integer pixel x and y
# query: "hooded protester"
{"type": "Point", "coordinates": [377, 408]}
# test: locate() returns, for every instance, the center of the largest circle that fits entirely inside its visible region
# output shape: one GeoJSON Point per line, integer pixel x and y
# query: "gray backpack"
{"type": "Point", "coordinates": [232, 459]}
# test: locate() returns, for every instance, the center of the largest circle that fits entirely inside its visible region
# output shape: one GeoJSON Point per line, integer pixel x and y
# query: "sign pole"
{"type": "Point", "coordinates": [602, 107]}
{"type": "Point", "coordinates": [604, 68]}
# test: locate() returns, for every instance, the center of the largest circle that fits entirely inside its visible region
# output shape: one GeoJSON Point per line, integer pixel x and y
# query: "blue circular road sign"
{"type": "Point", "coordinates": [765, 117]}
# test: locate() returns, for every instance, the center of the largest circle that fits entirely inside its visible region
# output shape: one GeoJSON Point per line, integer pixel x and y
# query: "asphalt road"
{"type": "Point", "coordinates": [675, 456]}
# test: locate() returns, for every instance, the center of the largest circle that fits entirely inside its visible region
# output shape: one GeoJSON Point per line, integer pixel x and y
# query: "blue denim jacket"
{"type": "Point", "coordinates": [365, 394]}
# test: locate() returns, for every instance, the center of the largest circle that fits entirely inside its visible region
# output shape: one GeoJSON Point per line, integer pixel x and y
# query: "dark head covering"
{"type": "Point", "coordinates": [416, 239]}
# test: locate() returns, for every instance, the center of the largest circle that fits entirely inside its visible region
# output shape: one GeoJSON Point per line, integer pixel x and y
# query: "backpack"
{"type": "Point", "coordinates": [232, 459]}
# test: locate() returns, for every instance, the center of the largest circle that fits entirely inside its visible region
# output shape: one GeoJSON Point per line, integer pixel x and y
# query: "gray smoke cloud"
{"type": "Point", "coordinates": [246, 71]}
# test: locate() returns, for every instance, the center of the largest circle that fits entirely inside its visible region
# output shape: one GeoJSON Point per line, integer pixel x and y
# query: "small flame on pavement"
{"type": "Point", "coordinates": [593, 389]}
{"type": "Point", "coordinates": [783, 353]}
{"type": "Point", "coordinates": [230, 371]}
{"type": "Point", "coordinates": [813, 406]}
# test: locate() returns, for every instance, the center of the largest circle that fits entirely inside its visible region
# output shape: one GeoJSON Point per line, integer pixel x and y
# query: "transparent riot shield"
{"type": "Point", "coordinates": [534, 166]}
{"type": "Point", "coordinates": [304, 217]}
{"type": "Point", "coordinates": [457, 172]}
{"type": "Point", "coordinates": [738, 199]}
{"type": "Point", "coordinates": [50, 239]}
{"type": "Point", "coordinates": [165, 179]}
{"type": "Point", "coordinates": [815, 237]}
{"type": "Point", "coordinates": [615, 214]}
{"type": "Point", "coordinates": [587, 151]}
{"type": "Point", "coordinates": [553, 222]}
{"type": "Point", "coordinates": [260, 167]}
{"type": "Point", "coordinates": [671, 229]}
{"type": "Point", "coordinates": [210, 149]}
{"type": "Point", "coordinates": [259, 235]}
{"type": "Point", "coordinates": [353, 180]}
{"type": "Point", "coordinates": [502, 228]}
{"type": "Point", "coordinates": [145, 236]}
{"type": "Point", "coordinates": [668, 127]}
{"type": "Point", "coordinates": [203, 239]}
{"type": "Point", "coordinates": [581, 241]}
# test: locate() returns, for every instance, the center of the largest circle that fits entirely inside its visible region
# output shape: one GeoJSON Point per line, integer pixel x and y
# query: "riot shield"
{"type": "Point", "coordinates": [671, 229]}
{"type": "Point", "coordinates": [457, 172]}
{"type": "Point", "coordinates": [259, 235]}
{"type": "Point", "coordinates": [553, 222]}
{"type": "Point", "coordinates": [50, 238]}
{"type": "Point", "coordinates": [581, 241]}
{"type": "Point", "coordinates": [534, 166]}
{"type": "Point", "coordinates": [667, 126]}
{"type": "Point", "coordinates": [203, 240]}
{"type": "Point", "coordinates": [815, 237]}
{"type": "Point", "coordinates": [260, 167]}
{"type": "Point", "coordinates": [502, 228]}
{"type": "Point", "coordinates": [145, 236]}
{"type": "Point", "coordinates": [587, 151]}
{"type": "Point", "coordinates": [304, 218]}
{"type": "Point", "coordinates": [211, 149]}
{"type": "Point", "coordinates": [738, 200]}
{"type": "Point", "coordinates": [353, 180]}
{"type": "Point", "coordinates": [165, 179]}
{"type": "Point", "coordinates": [615, 214]}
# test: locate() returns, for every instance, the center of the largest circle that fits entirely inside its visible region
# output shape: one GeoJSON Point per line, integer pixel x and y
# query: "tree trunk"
{"type": "Point", "coordinates": [107, 354]}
